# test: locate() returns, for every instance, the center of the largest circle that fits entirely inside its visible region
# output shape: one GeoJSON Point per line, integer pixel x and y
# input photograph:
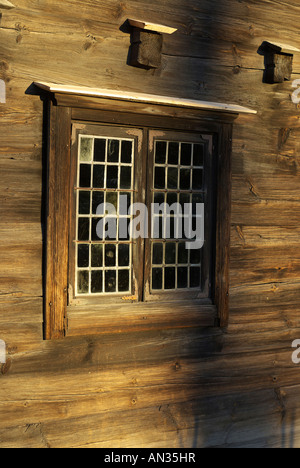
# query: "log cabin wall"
{"type": "Point", "coordinates": [169, 388]}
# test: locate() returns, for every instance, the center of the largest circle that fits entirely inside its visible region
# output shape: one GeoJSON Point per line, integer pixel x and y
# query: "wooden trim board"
{"type": "Point", "coordinates": [139, 97]}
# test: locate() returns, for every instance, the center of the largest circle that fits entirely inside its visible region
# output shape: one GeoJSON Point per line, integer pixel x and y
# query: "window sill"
{"type": "Point", "coordinates": [95, 320]}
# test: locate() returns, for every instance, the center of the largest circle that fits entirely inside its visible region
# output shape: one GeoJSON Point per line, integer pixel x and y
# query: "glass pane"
{"type": "Point", "coordinates": [123, 280]}
{"type": "Point", "coordinates": [160, 178]}
{"type": "Point", "coordinates": [97, 255]}
{"type": "Point", "coordinates": [172, 178]}
{"type": "Point", "coordinates": [84, 202]}
{"type": "Point", "coordinates": [124, 203]}
{"type": "Point", "coordinates": [98, 199]}
{"type": "Point", "coordinates": [185, 179]}
{"type": "Point", "coordinates": [196, 199]}
{"type": "Point", "coordinates": [85, 175]}
{"type": "Point", "coordinates": [83, 282]}
{"type": "Point", "coordinates": [157, 278]}
{"type": "Point", "coordinates": [171, 198]}
{"type": "Point", "coordinates": [112, 177]}
{"type": "Point", "coordinates": [83, 229]}
{"type": "Point", "coordinates": [198, 155]}
{"type": "Point", "coordinates": [173, 155]}
{"type": "Point", "coordinates": [83, 254]}
{"type": "Point", "coordinates": [186, 154]}
{"type": "Point", "coordinates": [182, 277]}
{"type": "Point", "coordinates": [96, 282]}
{"type": "Point", "coordinates": [126, 152]}
{"type": "Point", "coordinates": [124, 227]}
{"type": "Point", "coordinates": [161, 152]}
{"type": "Point", "coordinates": [110, 281]}
{"type": "Point", "coordinates": [159, 198]}
{"type": "Point", "coordinates": [99, 150]}
{"type": "Point", "coordinates": [98, 176]}
{"type": "Point", "coordinates": [170, 278]}
{"type": "Point", "coordinates": [158, 254]}
{"type": "Point", "coordinates": [197, 179]}
{"type": "Point", "coordinates": [125, 182]}
{"type": "Point", "coordinates": [196, 257]}
{"type": "Point", "coordinates": [97, 229]}
{"type": "Point", "coordinates": [183, 199]}
{"type": "Point", "coordinates": [86, 147]}
{"type": "Point", "coordinates": [110, 255]}
{"type": "Point", "coordinates": [113, 151]}
{"type": "Point", "coordinates": [112, 199]}
{"type": "Point", "coordinates": [170, 254]}
{"type": "Point", "coordinates": [194, 277]}
{"type": "Point", "coordinates": [124, 255]}
{"type": "Point", "coordinates": [183, 254]}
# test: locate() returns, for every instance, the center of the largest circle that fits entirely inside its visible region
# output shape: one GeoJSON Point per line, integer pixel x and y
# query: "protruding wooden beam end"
{"type": "Point", "coordinates": [6, 5]}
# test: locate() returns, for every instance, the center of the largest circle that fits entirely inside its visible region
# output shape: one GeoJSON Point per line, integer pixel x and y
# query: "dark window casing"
{"type": "Point", "coordinates": [68, 116]}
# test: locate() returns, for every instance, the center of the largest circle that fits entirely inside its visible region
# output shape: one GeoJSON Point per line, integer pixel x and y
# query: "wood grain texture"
{"type": "Point", "coordinates": [57, 240]}
{"type": "Point", "coordinates": [191, 387]}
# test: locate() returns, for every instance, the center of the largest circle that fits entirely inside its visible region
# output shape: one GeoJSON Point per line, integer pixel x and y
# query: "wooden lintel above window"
{"type": "Point", "coordinates": [144, 98]}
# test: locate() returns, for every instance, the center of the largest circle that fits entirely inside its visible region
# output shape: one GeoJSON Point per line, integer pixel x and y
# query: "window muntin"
{"type": "Point", "coordinates": [105, 174]}
{"type": "Point", "coordinates": [178, 179]}
{"type": "Point", "coordinates": [118, 269]}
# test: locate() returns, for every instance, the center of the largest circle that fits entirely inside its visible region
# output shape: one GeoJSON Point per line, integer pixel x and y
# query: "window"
{"type": "Point", "coordinates": [129, 185]}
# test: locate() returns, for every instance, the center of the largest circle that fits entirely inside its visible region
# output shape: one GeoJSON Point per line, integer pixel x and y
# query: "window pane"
{"type": "Point", "coordinates": [112, 199]}
{"type": "Point", "coordinates": [157, 278]}
{"type": "Point", "coordinates": [126, 152]}
{"type": "Point", "coordinates": [124, 255]}
{"type": "Point", "coordinates": [182, 277]}
{"type": "Point", "coordinates": [169, 278]}
{"type": "Point", "coordinates": [159, 198]}
{"type": "Point", "coordinates": [172, 178]}
{"type": "Point", "coordinates": [185, 179]}
{"type": "Point", "coordinates": [183, 254]}
{"type": "Point", "coordinates": [96, 282]}
{"type": "Point", "coordinates": [84, 202]}
{"type": "Point", "coordinates": [161, 152]}
{"type": "Point", "coordinates": [194, 277]}
{"type": "Point", "coordinates": [123, 280]}
{"type": "Point", "coordinates": [83, 229]}
{"type": "Point", "coordinates": [83, 256]}
{"type": "Point", "coordinates": [110, 255]}
{"type": "Point", "coordinates": [198, 155]}
{"type": "Point", "coordinates": [83, 282]}
{"type": "Point", "coordinates": [98, 176]}
{"type": "Point", "coordinates": [112, 177]}
{"type": "Point", "coordinates": [85, 175]}
{"type": "Point", "coordinates": [110, 281]}
{"type": "Point", "coordinates": [97, 229]}
{"type": "Point", "coordinates": [113, 151]}
{"type": "Point", "coordinates": [99, 150]}
{"type": "Point", "coordinates": [197, 179]}
{"type": "Point", "coordinates": [160, 178]}
{"type": "Point", "coordinates": [98, 199]}
{"type": "Point", "coordinates": [125, 182]}
{"type": "Point", "coordinates": [97, 255]}
{"type": "Point", "coordinates": [170, 254]}
{"type": "Point", "coordinates": [86, 146]}
{"type": "Point", "coordinates": [173, 155]}
{"type": "Point", "coordinates": [158, 254]}
{"type": "Point", "coordinates": [186, 154]}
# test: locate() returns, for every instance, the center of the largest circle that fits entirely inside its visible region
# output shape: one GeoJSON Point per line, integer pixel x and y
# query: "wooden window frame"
{"type": "Point", "coordinates": [61, 318]}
